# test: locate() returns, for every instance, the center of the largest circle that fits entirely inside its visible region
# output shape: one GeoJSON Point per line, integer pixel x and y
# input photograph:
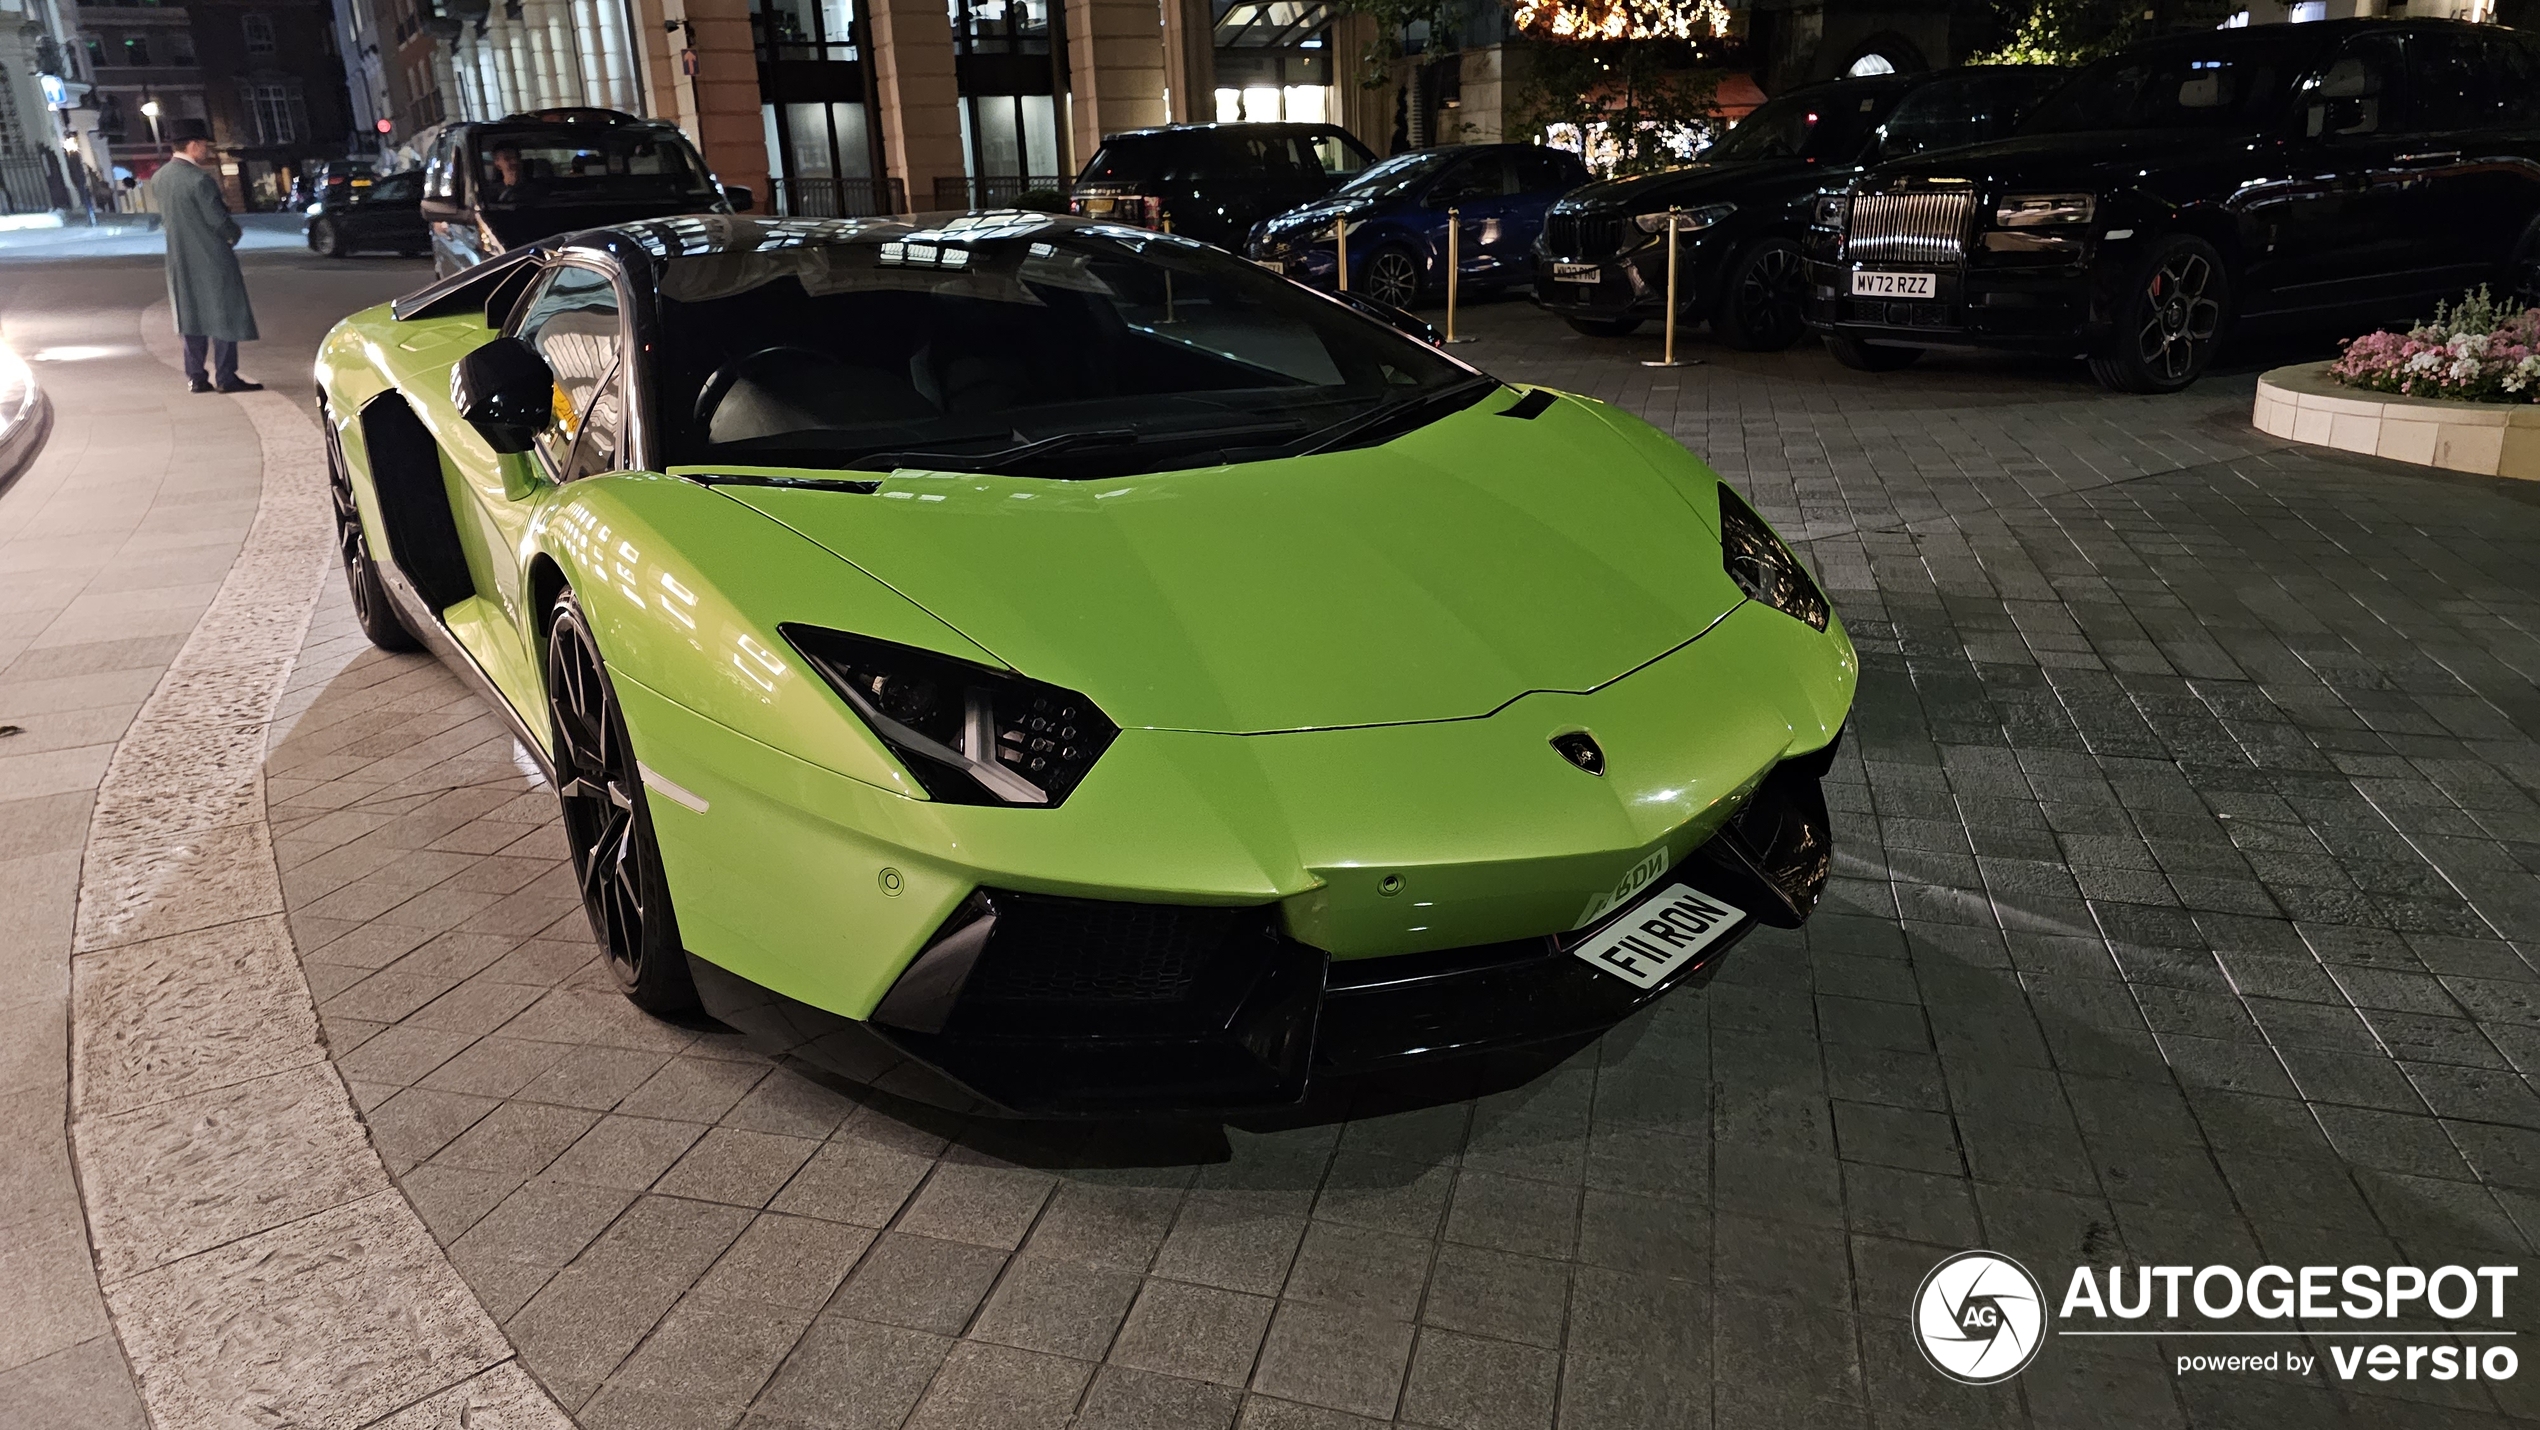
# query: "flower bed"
{"type": "Point", "coordinates": [2475, 351]}
{"type": "Point", "coordinates": [2489, 439]}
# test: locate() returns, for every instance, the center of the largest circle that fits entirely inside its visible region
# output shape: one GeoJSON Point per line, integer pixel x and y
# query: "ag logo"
{"type": "Point", "coordinates": [1979, 1317]}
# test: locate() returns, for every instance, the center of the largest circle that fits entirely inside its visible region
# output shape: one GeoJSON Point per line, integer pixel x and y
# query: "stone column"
{"type": "Point", "coordinates": [723, 113]}
{"type": "Point", "coordinates": [1190, 61]}
{"type": "Point", "coordinates": [1115, 66]}
{"type": "Point", "coordinates": [1367, 113]}
{"type": "Point", "coordinates": [920, 98]}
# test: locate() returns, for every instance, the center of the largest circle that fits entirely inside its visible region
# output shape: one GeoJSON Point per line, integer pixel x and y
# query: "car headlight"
{"type": "Point", "coordinates": [1687, 220]}
{"type": "Point", "coordinates": [971, 734]}
{"type": "Point", "coordinates": [1764, 568]}
{"type": "Point", "coordinates": [1833, 209]}
{"type": "Point", "coordinates": [2039, 210]}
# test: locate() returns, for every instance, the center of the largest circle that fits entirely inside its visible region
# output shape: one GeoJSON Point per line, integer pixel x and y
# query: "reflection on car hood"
{"type": "Point", "coordinates": [531, 222]}
{"type": "Point", "coordinates": [1314, 220]}
{"type": "Point", "coordinates": [1694, 183]}
{"type": "Point", "coordinates": [1434, 577]}
{"type": "Point", "coordinates": [2066, 161]}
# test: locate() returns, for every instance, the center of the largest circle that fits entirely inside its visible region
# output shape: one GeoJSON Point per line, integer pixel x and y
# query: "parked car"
{"type": "Point", "coordinates": [370, 214]}
{"type": "Point", "coordinates": [2339, 174]}
{"type": "Point", "coordinates": [1213, 182]}
{"type": "Point", "coordinates": [1396, 211]}
{"type": "Point", "coordinates": [889, 735]}
{"type": "Point", "coordinates": [1745, 206]}
{"type": "Point", "coordinates": [489, 186]}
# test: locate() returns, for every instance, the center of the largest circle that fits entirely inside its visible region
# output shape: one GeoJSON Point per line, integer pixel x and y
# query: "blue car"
{"type": "Point", "coordinates": [1396, 212]}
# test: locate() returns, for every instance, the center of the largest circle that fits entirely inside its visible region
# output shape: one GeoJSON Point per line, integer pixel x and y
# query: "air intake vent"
{"type": "Point", "coordinates": [1924, 227]}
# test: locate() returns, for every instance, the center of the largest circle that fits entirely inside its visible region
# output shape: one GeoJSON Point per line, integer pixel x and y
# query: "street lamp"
{"type": "Point", "coordinates": [150, 110]}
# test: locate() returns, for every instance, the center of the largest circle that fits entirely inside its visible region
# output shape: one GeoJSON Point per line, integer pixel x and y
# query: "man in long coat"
{"type": "Point", "coordinates": [205, 287]}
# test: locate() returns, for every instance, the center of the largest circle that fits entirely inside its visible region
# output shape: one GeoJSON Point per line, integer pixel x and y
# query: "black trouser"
{"type": "Point", "coordinates": [224, 359]}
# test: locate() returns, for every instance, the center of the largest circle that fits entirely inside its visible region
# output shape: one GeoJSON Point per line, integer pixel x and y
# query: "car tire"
{"type": "Point", "coordinates": [2169, 319]}
{"type": "Point", "coordinates": [1392, 275]}
{"type": "Point", "coordinates": [371, 610]}
{"type": "Point", "coordinates": [607, 823]}
{"type": "Point", "coordinates": [1763, 297]}
{"type": "Point", "coordinates": [1871, 357]}
{"type": "Point", "coordinates": [326, 240]}
{"type": "Point", "coordinates": [1604, 327]}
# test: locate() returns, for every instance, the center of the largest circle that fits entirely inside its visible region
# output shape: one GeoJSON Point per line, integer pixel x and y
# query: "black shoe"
{"type": "Point", "coordinates": [198, 384]}
{"type": "Point", "coordinates": [240, 384]}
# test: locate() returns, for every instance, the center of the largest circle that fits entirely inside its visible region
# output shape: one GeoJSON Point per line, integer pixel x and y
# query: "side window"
{"type": "Point", "coordinates": [1334, 156]}
{"type": "Point", "coordinates": [396, 189]}
{"type": "Point", "coordinates": [1542, 170]}
{"type": "Point", "coordinates": [2359, 95]}
{"type": "Point", "coordinates": [2451, 83]}
{"type": "Point", "coordinates": [1483, 176]}
{"type": "Point", "coordinates": [572, 322]}
{"type": "Point", "coordinates": [2517, 61]}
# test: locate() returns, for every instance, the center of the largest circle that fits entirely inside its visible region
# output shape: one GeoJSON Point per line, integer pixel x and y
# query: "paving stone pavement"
{"type": "Point", "coordinates": [2184, 914]}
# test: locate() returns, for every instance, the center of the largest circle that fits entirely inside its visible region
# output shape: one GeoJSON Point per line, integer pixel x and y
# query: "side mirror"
{"type": "Point", "coordinates": [1401, 320]}
{"type": "Point", "coordinates": [442, 209]}
{"type": "Point", "coordinates": [506, 392]}
{"type": "Point", "coordinates": [740, 198]}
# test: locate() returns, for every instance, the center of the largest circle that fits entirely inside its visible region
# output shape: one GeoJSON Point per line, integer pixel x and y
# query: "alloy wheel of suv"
{"type": "Point", "coordinates": [1767, 287]}
{"type": "Point", "coordinates": [2169, 320]}
{"type": "Point", "coordinates": [1392, 276]}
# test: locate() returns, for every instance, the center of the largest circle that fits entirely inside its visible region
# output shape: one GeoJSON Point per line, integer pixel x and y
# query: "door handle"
{"type": "Point", "coordinates": [2447, 156]}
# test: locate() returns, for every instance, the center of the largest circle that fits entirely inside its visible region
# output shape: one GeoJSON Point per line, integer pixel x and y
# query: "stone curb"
{"type": "Point", "coordinates": [259, 1265]}
{"type": "Point", "coordinates": [2489, 439]}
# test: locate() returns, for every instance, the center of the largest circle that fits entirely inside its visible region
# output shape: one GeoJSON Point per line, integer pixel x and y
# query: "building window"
{"type": "Point", "coordinates": [180, 48]}
{"type": "Point", "coordinates": [259, 34]}
{"type": "Point", "coordinates": [136, 49]}
{"type": "Point", "coordinates": [270, 112]}
{"type": "Point", "coordinates": [96, 51]}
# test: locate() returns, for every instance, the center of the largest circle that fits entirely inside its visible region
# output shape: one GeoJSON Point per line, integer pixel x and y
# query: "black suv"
{"type": "Point", "coordinates": [2341, 173]}
{"type": "Point", "coordinates": [497, 184]}
{"type": "Point", "coordinates": [1602, 261]}
{"type": "Point", "coordinates": [1213, 182]}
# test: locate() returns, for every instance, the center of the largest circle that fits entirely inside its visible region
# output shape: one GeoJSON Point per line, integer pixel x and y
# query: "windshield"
{"type": "Point", "coordinates": [1399, 174]}
{"type": "Point", "coordinates": [2235, 88]}
{"type": "Point", "coordinates": [877, 345]}
{"type": "Point", "coordinates": [574, 165]}
{"type": "Point", "coordinates": [1965, 109]}
{"type": "Point", "coordinates": [1822, 124]}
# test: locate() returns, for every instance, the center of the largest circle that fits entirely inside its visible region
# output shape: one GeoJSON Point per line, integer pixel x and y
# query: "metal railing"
{"type": "Point", "coordinates": [28, 185]}
{"type": "Point", "coordinates": [839, 198]}
{"type": "Point", "coordinates": [1917, 227]}
{"type": "Point", "coordinates": [1002, 191]}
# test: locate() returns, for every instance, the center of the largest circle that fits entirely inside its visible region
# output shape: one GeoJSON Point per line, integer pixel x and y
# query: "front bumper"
{"type": "Point", "coordinates": [1042, 1006]}
{"type": "Point", "coordinates": [1632, 284]}
{"type": "Point", "coordinates": [2047, 310]}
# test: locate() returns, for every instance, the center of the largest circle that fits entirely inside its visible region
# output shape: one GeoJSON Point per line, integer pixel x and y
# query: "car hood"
{"type": "Point", "coordinates": [1314, 220]}
{"type": "Point", "coordinates": [1434, 577]}
{"type": "Point", "coordinates": [2066, 161]}
{"type": "Point", "coordinates": [1694, 183]}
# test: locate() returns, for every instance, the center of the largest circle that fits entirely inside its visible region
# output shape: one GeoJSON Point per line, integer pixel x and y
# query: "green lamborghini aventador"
{"type": "Point", "coordinates": [1054, 667]}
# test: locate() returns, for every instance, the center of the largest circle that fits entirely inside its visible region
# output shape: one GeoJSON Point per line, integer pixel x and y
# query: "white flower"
{"type": "Point", "coordinates": [2463, 369]}
{"type": "Point", "coordinates": [2469, 345]}
{"type": "Point", "coordinates": [2426, 361]}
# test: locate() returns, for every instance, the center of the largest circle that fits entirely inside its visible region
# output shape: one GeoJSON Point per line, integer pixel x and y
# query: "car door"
{"type": "Point", "coordinates": [2476, 195]}
{"type": "Point", "coordinates": [2337, 227]}
{"type": "Point", "coordinates": [1543, 176]}
{"type": "Point", "coordinates": [572, 316]}
{"type": "Point", "coordinates": [448, 204]}
{"type": "Point", "coordinates": [1482, 188]}
{"type": "Point", "coordinates": [385, 215]}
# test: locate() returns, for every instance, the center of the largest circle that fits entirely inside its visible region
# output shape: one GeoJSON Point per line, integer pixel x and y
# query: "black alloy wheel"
{"type": "Point", "coordinates": [1392, 276]}
{"type": "Point", "coordinates": [2169, 321]}
{"type": "Point", "coordinates": [616, 860]}
{"type": "Point", "coordinates": [379, 620]}
{"type": "Point", "coordinates": [1762, 309]}
{"type": "Point", "coordinates": [326, 240]}
{"type": "Point", "coordinates": [1870, 357]}
{"type": "Point", "coordinates": [1604, 327]}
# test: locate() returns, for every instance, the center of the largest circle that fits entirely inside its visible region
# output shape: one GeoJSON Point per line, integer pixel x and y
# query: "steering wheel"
{"type": "Point", "coordinates": [720, 384]}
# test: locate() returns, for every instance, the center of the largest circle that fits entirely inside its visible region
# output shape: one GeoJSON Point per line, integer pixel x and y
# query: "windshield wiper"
{"type": "Point", "coordinates": [1006, 459]}
{"type": "Point", "coordinates": [1389, 420]}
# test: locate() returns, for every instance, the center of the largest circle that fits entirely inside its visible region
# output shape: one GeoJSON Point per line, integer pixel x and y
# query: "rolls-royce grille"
{"type": "Point", "coordinates": [1583, 235]}
{"type": "Point", "coordinates": [1908, 228]}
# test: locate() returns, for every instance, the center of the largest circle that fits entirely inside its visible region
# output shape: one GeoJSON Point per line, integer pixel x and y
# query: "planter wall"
{"type": "Point", "coordinates": [2491, 439]}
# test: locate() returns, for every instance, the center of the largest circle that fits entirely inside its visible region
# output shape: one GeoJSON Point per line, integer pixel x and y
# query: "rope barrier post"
{"type": "Point", "coordinates": [1340, 248]}
{"type": "Point", "coordinates": [1454, 268]}
{"type": "Point", "coordinates": [1675, 220]}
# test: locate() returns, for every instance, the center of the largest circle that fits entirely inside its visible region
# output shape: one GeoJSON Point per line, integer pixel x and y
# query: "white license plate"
{"type": "Point", "coordinates": [1577, 273]}
{"type": "Point", "coordinates": [1891, 285]}
{"type": "Point", "coordinates": [1275, 265]}
{"type": "Point", "coordinates": [1659, 935]}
